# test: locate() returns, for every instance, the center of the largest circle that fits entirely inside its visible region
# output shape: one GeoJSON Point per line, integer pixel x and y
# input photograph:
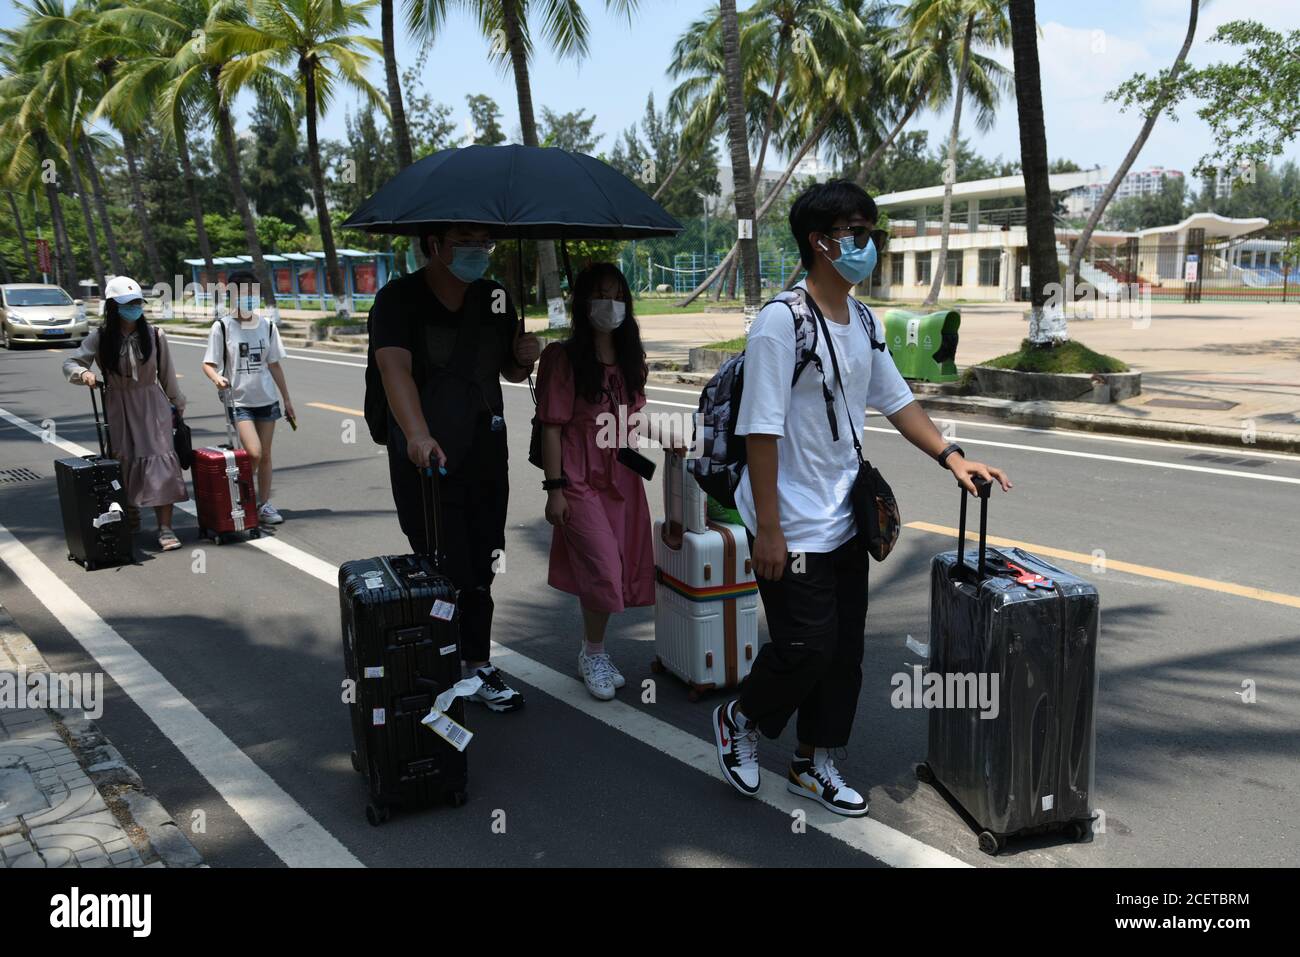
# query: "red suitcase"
{"type": "Point", "coordinates": [223, 490]}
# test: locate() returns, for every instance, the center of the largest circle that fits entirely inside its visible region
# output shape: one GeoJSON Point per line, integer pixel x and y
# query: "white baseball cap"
{"type": "Point", "coordinates": [122, 289]}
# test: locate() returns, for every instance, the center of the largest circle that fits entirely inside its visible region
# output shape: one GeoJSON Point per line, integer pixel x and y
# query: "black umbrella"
{"type": "Point", "coordinates": [520, 192]}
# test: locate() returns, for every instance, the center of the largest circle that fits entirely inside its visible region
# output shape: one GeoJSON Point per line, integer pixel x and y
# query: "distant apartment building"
{"type": "Point", "coordinates": [1147, 182]}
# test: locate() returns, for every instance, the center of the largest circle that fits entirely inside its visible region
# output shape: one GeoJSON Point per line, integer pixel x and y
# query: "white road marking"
{"type": "Point", "coordinates": [275, 817]}
{"type": "Point", "coordinates": [871, 837]}
{"type": "Point", "coordinates": [1124, 460]}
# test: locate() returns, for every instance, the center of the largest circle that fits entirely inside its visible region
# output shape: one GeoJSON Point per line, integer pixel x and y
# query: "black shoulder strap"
{"type": "Point", "coordinates": [225, 347]}
{"type": "Point", "coordinates": [866, 314]}
{"type": "Point", "coordinates": [835, 363]}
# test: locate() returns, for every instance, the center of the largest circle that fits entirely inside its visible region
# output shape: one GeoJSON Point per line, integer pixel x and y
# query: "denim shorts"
{"type": "Point", "coordinates": [257, 413]}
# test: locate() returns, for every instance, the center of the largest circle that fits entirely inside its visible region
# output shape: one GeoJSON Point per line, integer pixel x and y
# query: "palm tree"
{"type": "Point", "coordinates": [738, 140]}
{"type": "Point", "coordinates": [195, 83]}
{"type": "Point", "coordinates": [393, 87]}
{"type": "Point", "coordinates": [32, 137]}
{"type": "Point", "coordinates": [315, 38]}
{"type": "Point", "coordinates": [170, 26]}
{"type": "Point", "coordinates": [507, 24]}
{"type": "Point", "coordinates": [22, 235]}
{"type": "Point", "coordinates": [948, 27]}
{"type": "Point", "coordinates": [1152, 114]}
{"type": "Point", "coordinates": [1040, 224]}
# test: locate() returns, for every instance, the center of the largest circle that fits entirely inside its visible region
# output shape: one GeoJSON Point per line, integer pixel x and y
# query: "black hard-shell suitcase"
{"type": "Point", "coordinates": [400, 659]}
{"type": "Point", "coordinates": [1030, 767]}
{"type": "Point", "coordinates": [93, 501]}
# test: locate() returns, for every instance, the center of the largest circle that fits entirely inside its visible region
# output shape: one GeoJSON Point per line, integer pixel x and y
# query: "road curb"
{"type": "Point", "coordinates": [1042, 415]}
{"type": "Point", "coordinates": [140, 814]}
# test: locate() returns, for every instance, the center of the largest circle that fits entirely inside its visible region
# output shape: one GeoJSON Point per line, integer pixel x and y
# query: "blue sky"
{"type": "Point", "coordinates": [1086, 49]}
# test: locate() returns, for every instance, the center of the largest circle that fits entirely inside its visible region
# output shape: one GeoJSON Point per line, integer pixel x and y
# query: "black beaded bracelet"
{"type": "Point", "coordinates": [550, 485]}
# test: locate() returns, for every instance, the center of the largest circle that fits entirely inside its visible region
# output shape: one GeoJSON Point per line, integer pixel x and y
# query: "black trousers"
{"type": "Point", "coordinates": [473, 525]}
{"type": "Point", "coordinates": [817, 621]}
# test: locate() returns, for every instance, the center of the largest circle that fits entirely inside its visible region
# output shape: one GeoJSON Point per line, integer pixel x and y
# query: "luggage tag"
{"type": "Point", "coordinates": [1030, 580]}
{"type": "Point", "coordinates": [443, 610]}
{"type": "Point", "coordinates": [114, 514]}
{"type": "Point", "coordinates": [498, 424]}
{"type": "Point", "coordinates": [437, 721]}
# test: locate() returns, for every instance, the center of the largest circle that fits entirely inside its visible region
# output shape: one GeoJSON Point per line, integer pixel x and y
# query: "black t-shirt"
{"type": "Point", "coordinates": [407, 315]}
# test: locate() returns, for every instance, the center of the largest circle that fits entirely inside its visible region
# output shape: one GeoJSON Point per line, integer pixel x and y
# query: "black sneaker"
{"type": "Point", "coordinates": [495, 693]}
{"type": "Point", "coordinates": [819, 779]}
{"type": "Point", "coordinates": [737, 750]}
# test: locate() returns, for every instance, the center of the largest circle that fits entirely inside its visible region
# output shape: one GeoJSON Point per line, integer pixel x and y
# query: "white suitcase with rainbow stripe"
{"type": "Point", "coordinates": [706, 600]}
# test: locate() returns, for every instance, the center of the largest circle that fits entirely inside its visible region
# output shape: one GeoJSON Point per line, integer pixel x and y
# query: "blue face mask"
{"type": "Point", "coordinates": [855, 264]}
{"type": "Point", "coordinates": [131, 312]}
{"type": "Point", "coordinates": [469, 263]}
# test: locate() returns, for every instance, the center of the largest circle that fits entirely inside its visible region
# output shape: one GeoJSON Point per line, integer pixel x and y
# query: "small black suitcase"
{"type": "Point", "coordinates": [1010, 615]}
{"type": "Point", "coordinates": [400, 658]}
{"type": "Point", "coordinates": [93, 501]}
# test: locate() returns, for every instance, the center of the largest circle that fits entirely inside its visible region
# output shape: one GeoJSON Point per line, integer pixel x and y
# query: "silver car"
{"type": "Point", "coordinates": [32, 312]}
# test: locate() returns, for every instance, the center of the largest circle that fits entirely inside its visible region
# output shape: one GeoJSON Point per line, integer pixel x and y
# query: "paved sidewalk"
{"type": "Point", "coordinates": [67, 797]}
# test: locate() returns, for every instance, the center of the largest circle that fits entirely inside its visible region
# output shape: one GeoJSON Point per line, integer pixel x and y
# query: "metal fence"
{"type": "Point", "coordinates": [1260, 267]}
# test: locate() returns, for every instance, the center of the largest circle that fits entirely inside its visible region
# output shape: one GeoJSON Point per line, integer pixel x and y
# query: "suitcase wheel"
{"type": "Point", "coordinates": [924, 774]}
{"type": "Point", "coordinates": [356, 763]}
{"type": "Point", "coordinates": [255, 533]}
{"type": "Point", "coordinates": [90, 566]}
{"type": "Point", "coordinates": [990, 843]}
{"type": "Point", "coordinates": [693, 695]}
{"type": "Point", "coordinates": [376, 814]}
{"type": "Point", "coordinates": [656, 666]}
{"type": "Point", "coordinates": [457, 798]}
{"type": "Point", "coordinates": [1079, 830]}
{"type": "Point", "coordinates": [70, 557]}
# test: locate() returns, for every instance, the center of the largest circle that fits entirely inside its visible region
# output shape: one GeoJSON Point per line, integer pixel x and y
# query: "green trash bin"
{"type": "Point", "coordinates": [924, 346]}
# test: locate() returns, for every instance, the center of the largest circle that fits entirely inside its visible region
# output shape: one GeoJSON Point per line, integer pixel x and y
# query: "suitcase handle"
{"type": "Point", "coordinates": [101, 427]}
{"type": "Point", "coordinates": [984, 487]}
{"type": "Point", "coordinates": [431, 494]}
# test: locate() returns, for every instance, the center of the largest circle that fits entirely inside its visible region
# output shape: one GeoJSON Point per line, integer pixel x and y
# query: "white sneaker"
{"type": "Point", "coordinates": [737, 750]}
{"type": "Point", "coordinates": [619, 680]}
{"type": "Point", "coordinates": [495, 693]}
{"type": "Point", "coordinates": [819, 779]}
{"type": "Point", "coordinates": [597, 673]}
{"type": "Point", "coordinates": [269, 515]}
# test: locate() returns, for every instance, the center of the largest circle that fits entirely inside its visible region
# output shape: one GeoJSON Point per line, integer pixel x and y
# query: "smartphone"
{"type": "Point", "coordinates": [637, 462]}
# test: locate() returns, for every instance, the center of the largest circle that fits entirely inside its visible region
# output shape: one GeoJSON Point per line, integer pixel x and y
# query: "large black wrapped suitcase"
{"type": "Point", "coordinates": [399, 658]}
{"type": "Point", "coordinates": [1009, 616]}
{"type": "Point", "coordinates": [92, 499]}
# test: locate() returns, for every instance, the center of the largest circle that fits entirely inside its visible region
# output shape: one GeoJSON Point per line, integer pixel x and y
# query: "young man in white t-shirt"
{"type": "Point", "coordinates": [794, 498]}
{"type": "Point", "coordinates": [250, 366]}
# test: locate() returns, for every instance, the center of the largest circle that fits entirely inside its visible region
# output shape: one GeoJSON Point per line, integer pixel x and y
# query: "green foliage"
{"type": "Point", "coordinates": [568, 131]}
{"type": "Point", "coordinates": [1067, 357]}
{"type": "Point", "coordinates": [485, 118]}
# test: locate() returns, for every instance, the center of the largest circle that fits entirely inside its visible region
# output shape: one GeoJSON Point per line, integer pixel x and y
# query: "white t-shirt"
{"type": "Point", "coordinates": [250, 349]}
{"type": "Point", "coordinates": [814, 473]}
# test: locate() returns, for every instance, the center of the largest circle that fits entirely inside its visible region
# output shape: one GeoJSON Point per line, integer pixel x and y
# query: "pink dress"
{"type": "Point", "coordinates": [603, 554]}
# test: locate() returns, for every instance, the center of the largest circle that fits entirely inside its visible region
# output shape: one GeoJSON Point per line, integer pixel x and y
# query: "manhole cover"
{"type": "Point", "coordinates": [1215, 405]}
{"type": "Point", "coordinates": [13, 476]}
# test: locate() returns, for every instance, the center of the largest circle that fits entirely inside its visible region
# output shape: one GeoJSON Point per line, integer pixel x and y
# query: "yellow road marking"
{"type": "Point", "coordinates": [335, 408]}
{"type": "Point", "coordinates": [1111, 564]}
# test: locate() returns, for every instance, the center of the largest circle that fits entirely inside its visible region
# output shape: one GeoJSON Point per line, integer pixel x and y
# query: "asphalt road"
{"type": "Point", "coordinates": [224, 664]}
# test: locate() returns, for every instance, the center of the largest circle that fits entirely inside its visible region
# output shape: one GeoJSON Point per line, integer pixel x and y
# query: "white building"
{"type": "Point", "coordinates": [988, 251]}
{"type": "Point", "coordinates": [1147, 182]}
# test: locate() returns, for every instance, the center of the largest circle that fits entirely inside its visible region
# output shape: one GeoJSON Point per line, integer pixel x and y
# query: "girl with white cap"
{"type": "Point", "coordinates": [136, 364]}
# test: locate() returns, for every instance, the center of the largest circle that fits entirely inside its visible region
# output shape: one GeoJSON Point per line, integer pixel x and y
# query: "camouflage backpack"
{"type": "Point", "coordinates": [722, 459]}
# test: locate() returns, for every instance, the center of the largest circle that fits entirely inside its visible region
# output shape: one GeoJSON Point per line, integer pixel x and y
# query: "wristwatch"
{"type": "Point", "coordinates": [550, 485]}
{"type": "Point", "coordinates": [952, 447]}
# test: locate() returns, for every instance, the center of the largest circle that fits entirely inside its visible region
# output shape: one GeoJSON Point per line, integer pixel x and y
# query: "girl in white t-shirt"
{"type": "Point", "coordinates": [245, 357]}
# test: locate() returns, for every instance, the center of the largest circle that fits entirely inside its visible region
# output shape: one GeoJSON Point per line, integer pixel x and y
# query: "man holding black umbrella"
{"type": "Point", "coordinates": [442, 338]}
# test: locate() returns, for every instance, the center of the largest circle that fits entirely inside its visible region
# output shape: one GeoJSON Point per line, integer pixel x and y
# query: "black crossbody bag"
{"type": "Point", "coordinates": [875, 510]}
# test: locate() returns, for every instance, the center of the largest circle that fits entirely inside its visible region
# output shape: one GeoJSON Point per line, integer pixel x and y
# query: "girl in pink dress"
{"type": "Point", "coordinates": [589, 387]}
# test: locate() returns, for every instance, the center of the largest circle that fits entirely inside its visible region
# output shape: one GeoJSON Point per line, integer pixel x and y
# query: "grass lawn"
{"type": "Point", "coordinates": [1068, 357]}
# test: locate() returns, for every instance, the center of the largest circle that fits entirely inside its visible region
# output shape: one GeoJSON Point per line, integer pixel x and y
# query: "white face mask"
{"type": "Point", "coordinates": [607, 314]}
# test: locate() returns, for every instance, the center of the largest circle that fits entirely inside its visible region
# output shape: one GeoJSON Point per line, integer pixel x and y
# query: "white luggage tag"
{"type": "Point", "coordinates": [114, 514]}
{"type": "Point", "coordinates": [437, 721]}
{"type": "Point", "coordinates": [443, 610]}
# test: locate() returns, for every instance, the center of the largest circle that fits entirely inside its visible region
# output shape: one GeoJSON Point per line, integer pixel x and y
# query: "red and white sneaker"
{"type": "Point", "coordinates": [737, 749]}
